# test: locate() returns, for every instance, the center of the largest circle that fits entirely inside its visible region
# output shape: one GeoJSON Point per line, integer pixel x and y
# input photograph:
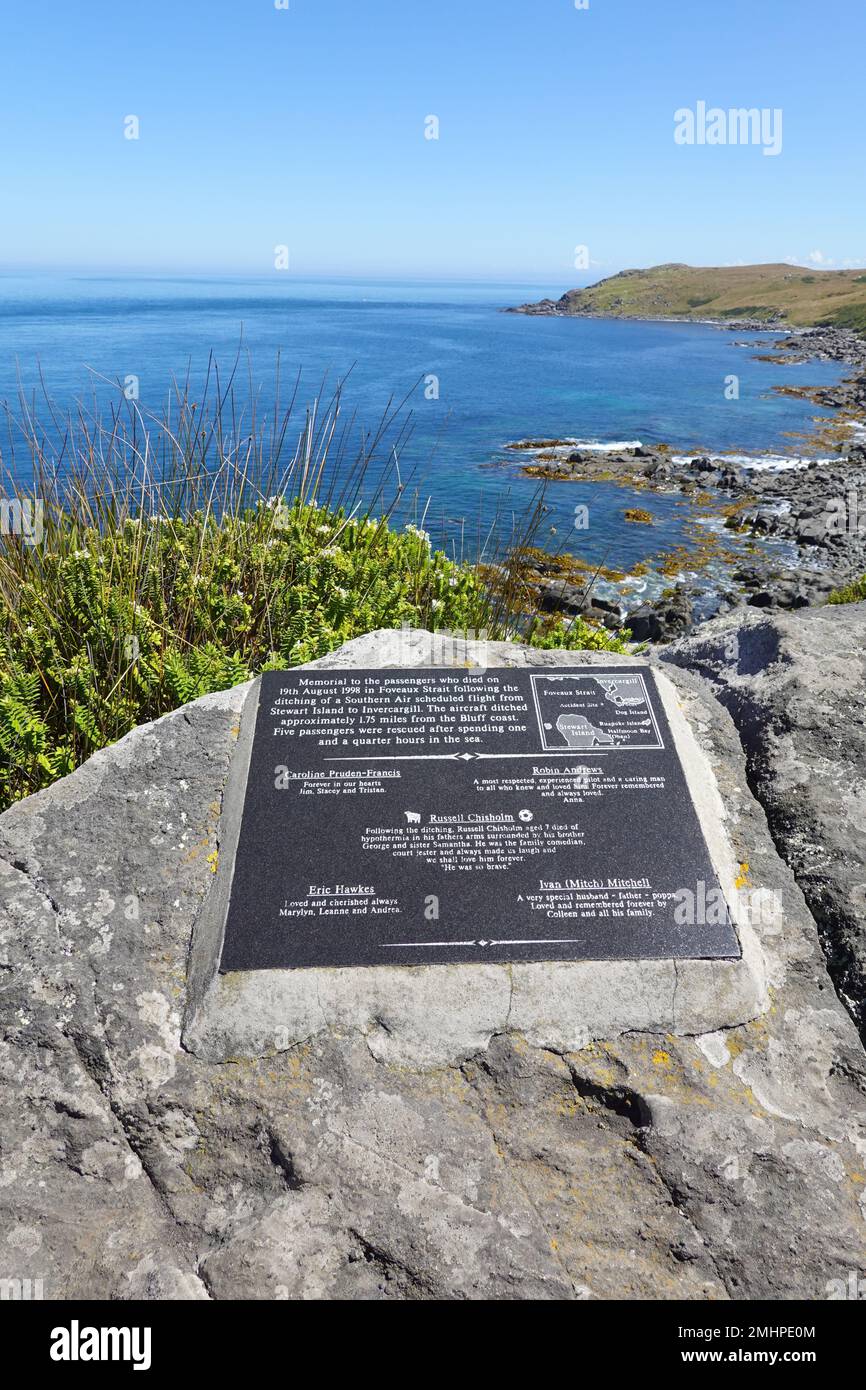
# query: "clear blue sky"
{"type": "Point", "coordinates": [305, 127]}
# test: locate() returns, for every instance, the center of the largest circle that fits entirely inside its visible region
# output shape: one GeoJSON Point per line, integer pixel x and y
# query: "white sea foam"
{"type": "Point", "coordinates": [757, 462]}
{"type": "Point", "coordinates": [590, 446]}
{"type": "Point", "coordinates": [598, 447]}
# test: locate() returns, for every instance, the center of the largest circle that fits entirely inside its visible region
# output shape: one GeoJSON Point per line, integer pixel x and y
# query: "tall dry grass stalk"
{"type": "Point", "coordinates": [179, 554]}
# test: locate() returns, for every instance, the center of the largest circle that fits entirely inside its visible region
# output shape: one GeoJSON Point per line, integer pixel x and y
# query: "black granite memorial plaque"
{"type": "Point", "coordinates": [402, 817]}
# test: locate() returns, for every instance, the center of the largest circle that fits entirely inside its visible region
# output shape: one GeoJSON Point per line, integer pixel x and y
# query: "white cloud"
{"type": "Point", "coordinates": [820, 261]}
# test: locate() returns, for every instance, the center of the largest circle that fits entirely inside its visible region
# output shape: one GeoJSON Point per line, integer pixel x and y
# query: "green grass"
{"type": "Point", "coordinates": [181, 556]}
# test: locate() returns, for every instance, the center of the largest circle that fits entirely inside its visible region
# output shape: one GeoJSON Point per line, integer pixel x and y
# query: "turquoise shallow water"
{"type": "Point", "coordinates": [500, 377]}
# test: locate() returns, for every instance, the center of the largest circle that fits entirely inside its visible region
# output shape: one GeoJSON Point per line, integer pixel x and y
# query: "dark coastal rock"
{"type": "Point", "coordinates": [658, 471]}
{"type": "Point", "coordinates": [644, 624]}
{"type": "Point", "coordinates": [795, 685]}
{"type": "Point", "coordinates": [590, 464]}
{"type": "Point", "coordinates": [761, 587]}
{"type": "Point", "coordinates": [544, 307]}
{"type": "Point", "coordinates": [824, 343]}
{"type": "Point", "coordinates": [560, 596]}
{"type": "Point", "coordinates": [763, 520]}
{"type": "Point", "coordinates": [574, 600]}
{"type": "Point", "coordinates": [661, 621]}
{"type": "Point", "coordinates": [607, 606]}
{"type": "Point", "coordinates": [734, 476]}
{"type": "Point", "coordinates": [811, 530]}
{"type": "Point", "coordinates": [781, 595]}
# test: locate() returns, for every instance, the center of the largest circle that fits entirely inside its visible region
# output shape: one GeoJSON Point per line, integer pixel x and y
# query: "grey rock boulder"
{"type": "Point", "coordinates": [645, 1164]}
{"type": "Point", "coordinates": [662, 620]}
{"type": "Point", "coordinates": [795, 685]}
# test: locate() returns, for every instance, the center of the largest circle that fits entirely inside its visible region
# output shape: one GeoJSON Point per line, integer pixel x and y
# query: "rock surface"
{"type": "Point", "coordinates": [663, 620]}
{"type": "Point", "coordinates": [722, 1165]}
{"type": "Point", "coordinates": [795, 685]}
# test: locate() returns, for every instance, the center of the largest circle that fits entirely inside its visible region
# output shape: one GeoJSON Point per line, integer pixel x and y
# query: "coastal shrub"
{"type": "Point", "coordinates": [850, 593]}
{"type": "Point", "coordinates": [574, 634]}
{"type": "Point", "coordinates": [748, 311]}
{"type": "Point", "coordinates": [113, 627]}
{"type": "Point", "coordinates": [852, 316]}
{"type": "Point", "coordinates": [143, 593]}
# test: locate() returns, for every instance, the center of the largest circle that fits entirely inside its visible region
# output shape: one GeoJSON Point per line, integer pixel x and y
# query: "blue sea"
{"type": "Point", "coordinates": [499, 378]}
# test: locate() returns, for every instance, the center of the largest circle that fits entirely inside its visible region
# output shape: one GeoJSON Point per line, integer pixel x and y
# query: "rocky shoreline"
{"type": "Point", "coordinates": [569, 307]}
{"type": "Point", "coordinates": [813, 513]}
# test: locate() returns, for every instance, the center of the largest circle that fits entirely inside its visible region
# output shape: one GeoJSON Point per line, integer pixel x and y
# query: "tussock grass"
{"type": "Point", "coordinates": [182, 554]}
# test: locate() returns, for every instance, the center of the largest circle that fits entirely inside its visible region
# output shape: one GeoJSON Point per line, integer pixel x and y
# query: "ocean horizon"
{"type": "Point", "coordinates": [476, 379]}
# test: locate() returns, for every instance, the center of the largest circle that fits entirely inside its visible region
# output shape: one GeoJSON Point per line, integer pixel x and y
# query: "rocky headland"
{"type": "Point", "coordinates": [765, 296]}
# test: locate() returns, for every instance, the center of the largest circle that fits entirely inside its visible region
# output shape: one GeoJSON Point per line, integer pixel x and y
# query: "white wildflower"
{"type": "Point", "coordinates": [416, 531]}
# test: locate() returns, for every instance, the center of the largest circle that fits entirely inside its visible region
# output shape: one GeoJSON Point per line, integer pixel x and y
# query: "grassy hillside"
{"type": "Point", "coordinates": [789, 293]}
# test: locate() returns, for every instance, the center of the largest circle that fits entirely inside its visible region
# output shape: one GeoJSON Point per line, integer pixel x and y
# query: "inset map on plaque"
{"type": "Point", "coordinates": [587, 711]}
{"type": "Point", "coordinates": [410, 817]}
